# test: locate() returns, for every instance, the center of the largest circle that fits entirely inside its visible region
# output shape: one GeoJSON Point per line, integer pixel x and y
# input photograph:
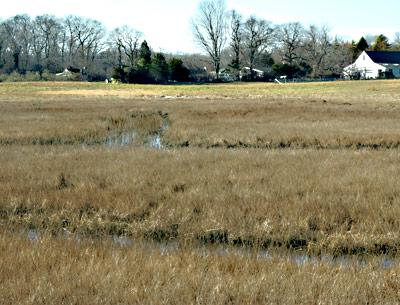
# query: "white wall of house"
{"type": "Point", "coordinates": [365, 66]}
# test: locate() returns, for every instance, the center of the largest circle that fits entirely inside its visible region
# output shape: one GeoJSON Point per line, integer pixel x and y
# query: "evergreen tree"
{"type": "Point", "coordinates": [362, 45]}
{"type": "Point", "coordinates": [141, 73]}
{"type": "Point", "coordinates": [179, 72]}
{"type": "Point", "coordinates": [159, 69]}
{"type": "Point", "coordinates": [144, 55]}
{"type": "Point", "coordinates": [381, 43]}
{"type": "Point", "coordinates": [209, 30]}
{"type": "Point", "coordinates": [359, 47]}
{"type": "Point", "coordinates": [236, 35]}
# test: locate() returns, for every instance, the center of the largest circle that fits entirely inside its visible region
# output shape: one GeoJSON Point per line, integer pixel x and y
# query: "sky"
{"type": "Point", "coordinates": [166, 23]}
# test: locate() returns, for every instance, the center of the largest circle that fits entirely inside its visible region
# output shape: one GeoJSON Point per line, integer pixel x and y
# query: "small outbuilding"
{"type": "Point", "coordinates": [246, 72]}
{"type": "Point", "coordinates": [374, 64]}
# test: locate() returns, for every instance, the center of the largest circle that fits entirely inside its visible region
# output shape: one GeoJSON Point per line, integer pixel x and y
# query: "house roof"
{"type": "Point", "coordinates": [255, 70]}
{"type": "Point", "coordinates": [385, 57]}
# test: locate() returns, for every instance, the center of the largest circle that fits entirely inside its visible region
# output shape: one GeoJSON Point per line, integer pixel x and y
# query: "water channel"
{"type": "Point", "coordinates": [300, 258]}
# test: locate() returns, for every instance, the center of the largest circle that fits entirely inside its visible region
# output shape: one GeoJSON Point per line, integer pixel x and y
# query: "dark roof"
{"type": "Point", "coordinates": [385, 57]}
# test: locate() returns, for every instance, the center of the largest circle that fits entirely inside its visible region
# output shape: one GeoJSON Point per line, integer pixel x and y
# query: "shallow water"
{"type": "Point", "coordinates": [299, 258]}
{"type": "Point", "coordinates": [132, 137]}
{"type": "Point", "coordinates": [123, 139]}
{"type": "Point", "coordinates": [33, 235]}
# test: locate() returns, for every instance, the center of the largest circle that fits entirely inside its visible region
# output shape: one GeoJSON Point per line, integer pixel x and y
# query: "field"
{"type": "Point", "coordinates": [200, 194]}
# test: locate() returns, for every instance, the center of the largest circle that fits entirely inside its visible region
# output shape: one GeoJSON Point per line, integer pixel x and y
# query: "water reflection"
{"type": "Point", "coordinates": [123, 139]}
{"type": "Point", "coordinates": [298, 258]}
{"type": "Point", "coordinates": [132, 137]}
{"type": "Point", "coordinates": [33, 235]}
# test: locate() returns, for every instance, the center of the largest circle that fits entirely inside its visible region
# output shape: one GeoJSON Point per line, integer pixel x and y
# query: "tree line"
{"type": "Point", "coordinates": [50, 44]}
{"type": "Point", "coordinates": [38, 48]}
{"type": "Point", "coordinates": [378, 43]}
{"type": "Point", "coordinates": [285, 49]}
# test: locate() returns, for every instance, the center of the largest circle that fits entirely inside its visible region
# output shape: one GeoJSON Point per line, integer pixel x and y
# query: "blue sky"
{"type": "Point", "coordinates": [166, 23]}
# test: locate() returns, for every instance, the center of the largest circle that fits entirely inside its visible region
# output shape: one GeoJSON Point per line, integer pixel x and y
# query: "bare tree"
{"type": "Point", "coordinates": [316, 48]}
{"type": "Point", "coordinates": [127, 42]}
{"type": "Point", "coordinates": [396, 41]}
{"type": "Point", "coordinates": [84, 39]}
{"type": "Point", "coordinates": [48, 35]}
{"type": "Point", "coordinates": [63, 42]}
{"type": "Point", "coordinates": [70, 38]}
{"type": "Point", "coordinates": [48, 43]}
{"type": "Point", "coordinates": [257, 36]}
{"type": "Point", "coordinates": [17, 31]}
{"type": "Point", "coordinates": [291, 37]}
{"type": "Point", "coordinates": [38, 45]}
{"type": "Point", "coordinates": [3, 45]}
{"type": "Point", "coordinates": [209, 29]}
{"type": "Point", "coordinates": [339, 56]}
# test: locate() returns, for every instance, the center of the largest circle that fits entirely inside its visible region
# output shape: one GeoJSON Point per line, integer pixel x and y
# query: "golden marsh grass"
{"type": "Point", "coordinates": [336, 201]}
{"type": "Point", "coordinates": [52, 271]}
{"type": "Point", "coordinates": [311, 167]}
{"type": "Point", "coordinates": [321, 115]}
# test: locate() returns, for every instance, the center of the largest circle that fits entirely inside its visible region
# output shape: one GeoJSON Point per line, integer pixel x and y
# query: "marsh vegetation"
{"type": "Point", "coordinates": [301, 167]}
{"type": "Point", "coordinates": [55, 271]}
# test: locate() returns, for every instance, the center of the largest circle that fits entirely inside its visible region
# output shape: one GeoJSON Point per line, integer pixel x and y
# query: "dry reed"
{"type": "Point", "coordinates": [336, 201]}
{"type": "Point", "coordinates": [51, 271]}
{"type": "Point", "coordinates": [308, 166]}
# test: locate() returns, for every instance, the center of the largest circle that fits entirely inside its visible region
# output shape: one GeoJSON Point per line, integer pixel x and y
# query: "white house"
{"type": "Point", "coordinates": [373, 64]}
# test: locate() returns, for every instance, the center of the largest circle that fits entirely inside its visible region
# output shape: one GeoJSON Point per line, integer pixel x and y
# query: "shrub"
{"type": "Point", "coordinates": [47, 76]}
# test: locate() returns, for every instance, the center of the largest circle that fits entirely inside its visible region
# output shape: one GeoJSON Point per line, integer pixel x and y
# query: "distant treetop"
{"type": "Point", "coordinates": [362, 44]}
{"type": "Point", "coordinates": [381, 43]}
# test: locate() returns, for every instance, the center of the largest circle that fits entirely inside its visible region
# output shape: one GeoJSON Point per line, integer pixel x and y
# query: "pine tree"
{"type": "Point", "coordinates": [159, 69]}
{"type": "Point", "coordinates": [144, 54]}
{"type": "Point", "coordinates": [179, 72]}
{"type": "Point", "coordinates": [381, 43]}
{"type": "Point", "coordinates": [362, 45]}
{"type": "Point", "coordinates": [141, 73]}
{"type": "Point", "coordinates": [359, 47]}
